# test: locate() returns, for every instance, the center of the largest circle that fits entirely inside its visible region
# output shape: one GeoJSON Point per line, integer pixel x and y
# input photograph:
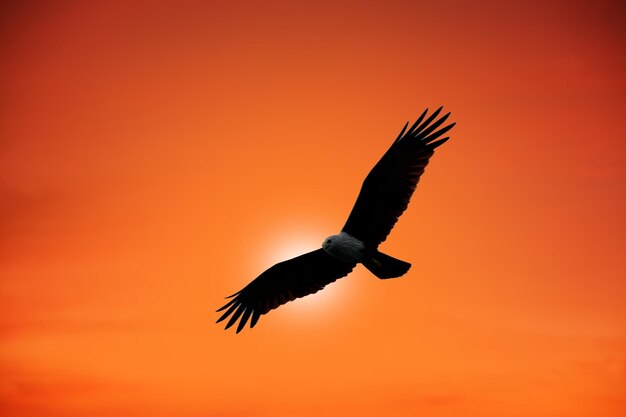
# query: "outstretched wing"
{"type": "Point", "coordinates": [284, 282]}
{"type": "Point", "coordinates": [386, 191]}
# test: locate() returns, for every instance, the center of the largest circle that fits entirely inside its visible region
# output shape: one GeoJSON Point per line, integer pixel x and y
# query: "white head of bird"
{"type": "Point", "coordinates": [344, 247]}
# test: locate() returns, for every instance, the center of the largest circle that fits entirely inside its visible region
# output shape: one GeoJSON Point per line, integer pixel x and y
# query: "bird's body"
{"type": "Point", "coordinates": [384, 196]}
{"type": "Point", "coordinates": [344, 247]}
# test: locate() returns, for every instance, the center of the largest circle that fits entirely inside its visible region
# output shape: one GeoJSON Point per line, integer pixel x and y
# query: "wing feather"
{"type": "Point", "coordinates": [228, 312]}
{"type": "Point", "coordinates": [414, 126]}
{"type": "Point", "coordinates": [241, 308]}
{"type": "Point", "coordinates": [388, 188]}
{"type": "Point", "coordinates": [244, 319]}
{"type": "Point", "coordinates": [255, 318]}
{"type": "Point", "coordinates": [284, 282]}
{"type": "Point", "coordinates": [228, 304]}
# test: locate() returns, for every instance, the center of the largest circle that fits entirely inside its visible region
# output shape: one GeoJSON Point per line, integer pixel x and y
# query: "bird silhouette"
{"type": "Point", "coordinates": [384, 196]}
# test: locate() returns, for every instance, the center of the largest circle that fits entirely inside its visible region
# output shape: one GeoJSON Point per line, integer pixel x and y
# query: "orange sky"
{"type": "Point", "coordinates": [157, 156]}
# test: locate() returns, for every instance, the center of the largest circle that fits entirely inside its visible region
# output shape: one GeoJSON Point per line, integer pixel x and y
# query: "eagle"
{"type": "Point", "coordinates": [384, 196]}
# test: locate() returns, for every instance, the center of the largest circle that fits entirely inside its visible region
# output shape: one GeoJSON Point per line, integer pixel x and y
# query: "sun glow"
{"type": "Point", "coordinates": [290, 244]}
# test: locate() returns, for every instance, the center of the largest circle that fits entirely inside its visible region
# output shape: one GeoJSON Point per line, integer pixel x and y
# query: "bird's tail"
{"type": "Point", "coordinates": [385, 266]}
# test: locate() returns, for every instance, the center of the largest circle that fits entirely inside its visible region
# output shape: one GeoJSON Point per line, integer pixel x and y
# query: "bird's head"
{"type": "Point", "coordinates": [329, 242]}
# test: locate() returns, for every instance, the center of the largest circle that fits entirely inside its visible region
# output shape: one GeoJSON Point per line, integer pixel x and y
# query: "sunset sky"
{"type": "Point", "coordinates": [156, 156]}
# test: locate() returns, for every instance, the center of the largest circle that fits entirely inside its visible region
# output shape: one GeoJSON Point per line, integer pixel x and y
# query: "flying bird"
{"type": "Point", "coordinates": [384, 196]}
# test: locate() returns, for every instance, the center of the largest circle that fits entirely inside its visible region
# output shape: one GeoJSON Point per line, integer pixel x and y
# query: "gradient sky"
{"type": "Point", "coordinates": [157, 156]}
